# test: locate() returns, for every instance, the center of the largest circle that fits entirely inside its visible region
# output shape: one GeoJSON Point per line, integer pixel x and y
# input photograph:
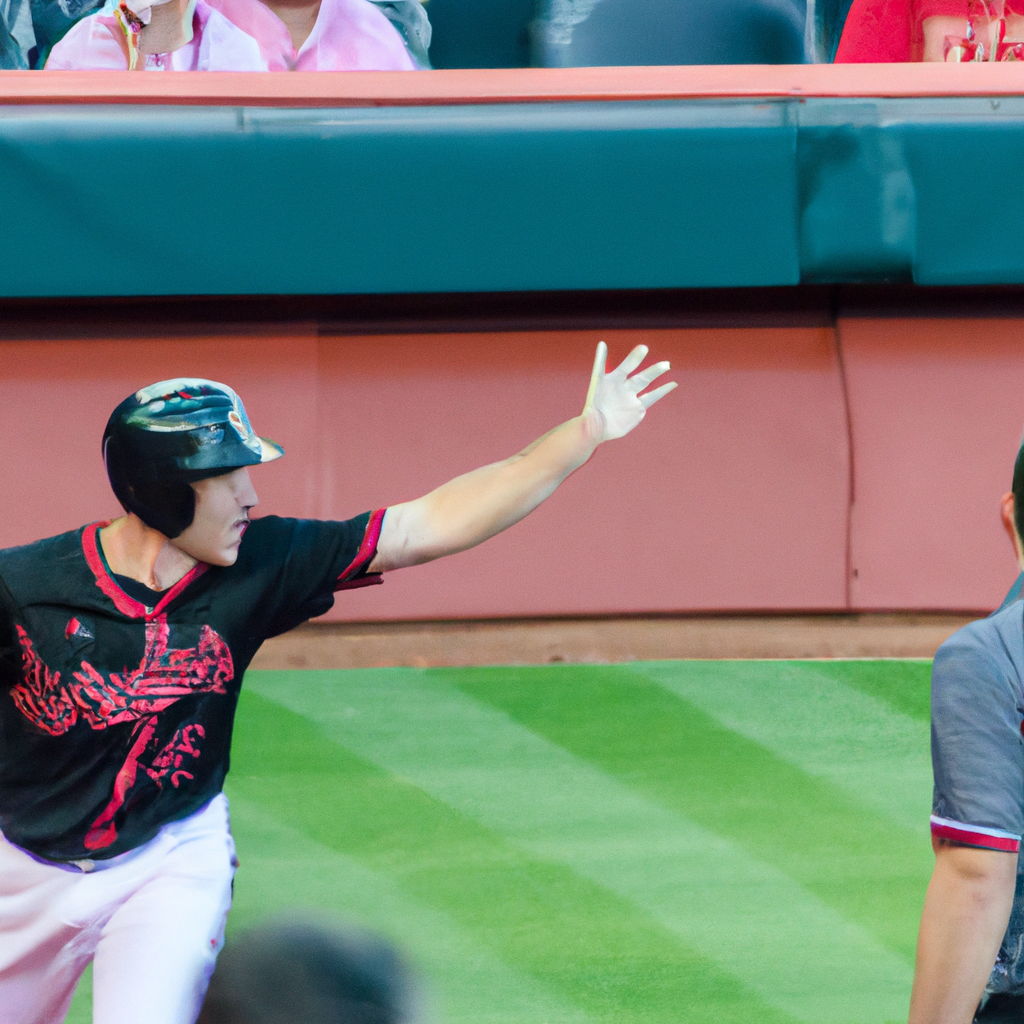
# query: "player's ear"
{"type": "Point", "coordinates": [1007, 513]}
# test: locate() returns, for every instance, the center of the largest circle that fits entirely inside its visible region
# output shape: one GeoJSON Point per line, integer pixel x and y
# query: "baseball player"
{"type": "Point", "coordinates": [123, 650]}
{"type": "Point", "coordinates": [970, 952]}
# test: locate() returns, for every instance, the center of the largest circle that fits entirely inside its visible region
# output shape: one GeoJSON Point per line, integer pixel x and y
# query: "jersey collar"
{"type": "Point", "coordinates": [125, 604]}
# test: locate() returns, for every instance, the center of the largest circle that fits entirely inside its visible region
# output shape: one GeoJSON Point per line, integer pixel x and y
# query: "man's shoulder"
{"type": "Point", "coordinates": [996, 641]}
{"type": "Point", "coordinates": [268, 529]}
{"type": "Point", "coordinates": [280, 529]}
{"type": "Point", "coordinates": [59, 546]}
{"type": "Point", "coordinates": [41, 561]}
{"type": "Point", "coordinates": [306, 545]}
{"type": "Point", "coordinates": [268, 539]}
{"type": "Point", "coordinates": [94, 43]}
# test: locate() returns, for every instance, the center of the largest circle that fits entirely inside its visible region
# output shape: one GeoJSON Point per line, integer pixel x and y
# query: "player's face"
{"type": "Point", "coordinates": [222, 515]}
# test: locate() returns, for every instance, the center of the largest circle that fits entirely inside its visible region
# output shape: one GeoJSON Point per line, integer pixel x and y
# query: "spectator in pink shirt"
{"type": "Point", "coordinates": [179, 35]}
{"type": "Point", "coordinates": [235, 35]}
{"type": "Point", "coordinates": [320, 35]}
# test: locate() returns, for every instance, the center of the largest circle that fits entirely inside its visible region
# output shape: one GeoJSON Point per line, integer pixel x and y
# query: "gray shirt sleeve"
{"type": "Point", "coordinates": [977, 746]}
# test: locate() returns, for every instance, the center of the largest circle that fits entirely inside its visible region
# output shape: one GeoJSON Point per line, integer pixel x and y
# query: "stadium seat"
{"type": "Point", "coordinates": [480, 33]}
{"type": "Point", "coordinates": [594, 33]}
{"type": "Point", "coordinates": [829, 17]}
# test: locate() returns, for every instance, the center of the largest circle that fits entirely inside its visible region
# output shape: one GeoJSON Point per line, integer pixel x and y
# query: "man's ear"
{"type": "Point", "coordinates": [1007, 512]}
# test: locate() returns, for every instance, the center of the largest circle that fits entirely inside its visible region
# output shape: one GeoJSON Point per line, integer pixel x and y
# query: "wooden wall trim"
{"type": "Point", "coordinates": [506, 85]}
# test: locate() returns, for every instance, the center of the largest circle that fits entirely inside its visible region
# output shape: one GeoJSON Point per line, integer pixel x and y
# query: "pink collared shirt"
{"type": "Point", "coordinates": [97, 43]}
{"type": "Point", "coordinates": [349, 35]}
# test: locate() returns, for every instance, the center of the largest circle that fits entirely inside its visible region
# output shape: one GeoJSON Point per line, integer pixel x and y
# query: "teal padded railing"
{"type": "Point", "coordinates": [135, 200]}
{"type": "Point", "coordinates": [156, 201]}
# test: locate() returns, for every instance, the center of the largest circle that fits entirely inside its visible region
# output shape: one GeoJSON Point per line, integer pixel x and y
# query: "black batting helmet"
{"type": "Point", "coordinates": [171, 434]}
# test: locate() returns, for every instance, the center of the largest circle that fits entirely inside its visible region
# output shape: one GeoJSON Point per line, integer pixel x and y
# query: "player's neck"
{"type": "Point", "coordinates": [136, 550]}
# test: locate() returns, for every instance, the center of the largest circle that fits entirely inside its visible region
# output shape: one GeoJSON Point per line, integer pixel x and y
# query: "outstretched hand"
{"type": "Point", "coordinates": [477, 505]}
{"type": "Point", "coordinates": [614, 402]}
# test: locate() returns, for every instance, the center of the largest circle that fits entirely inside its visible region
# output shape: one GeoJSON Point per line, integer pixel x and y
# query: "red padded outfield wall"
{"type": "Point", "coordinates": [735, 495]}
{"type": "Point", "coordinates": [852, 463]}
{"type": "Point", "coordinates": [937, 408]}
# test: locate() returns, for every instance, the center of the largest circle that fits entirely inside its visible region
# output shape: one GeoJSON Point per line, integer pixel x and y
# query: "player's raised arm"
{"type": "Point", "coordinates": [473, 507]}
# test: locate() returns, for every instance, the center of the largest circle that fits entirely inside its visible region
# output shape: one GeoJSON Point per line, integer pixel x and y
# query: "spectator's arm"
{"type": "Point", "coordinates": [935, 30]}
{"type": "Point", "coordinates": [965, 915]}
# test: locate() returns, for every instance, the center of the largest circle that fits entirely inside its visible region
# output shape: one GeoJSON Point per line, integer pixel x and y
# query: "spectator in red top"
{"type": "Point", "coordinates": [902, 31]}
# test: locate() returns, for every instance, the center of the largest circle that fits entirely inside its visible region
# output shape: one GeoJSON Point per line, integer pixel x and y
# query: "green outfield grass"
{"type": "Point", "coordinates": [719, 842]}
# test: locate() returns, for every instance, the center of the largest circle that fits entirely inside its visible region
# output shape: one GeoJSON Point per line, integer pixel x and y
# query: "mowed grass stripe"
{"type": "Point", "coordinates": [804, 714]}
{"type": "Point", "coordinates": [903, 684]}
{"type": "Point", "coordinates": [799, 955]}
{"type": "Point", "coordinates": [590, 948]}
{"type": "Point", "coordinates": [869, 869]}
{"type": "Point", "coordinates": [80, 1010]}
{"type": "Point", "coordinates": [283, 869]}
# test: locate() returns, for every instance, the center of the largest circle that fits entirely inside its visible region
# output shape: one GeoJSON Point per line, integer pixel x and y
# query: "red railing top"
{"type": "Point", "coordinates": [514, 85]}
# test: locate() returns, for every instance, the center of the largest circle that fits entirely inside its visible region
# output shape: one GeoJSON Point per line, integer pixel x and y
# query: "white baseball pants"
{"type": "Point", "coordinates": [151, 920]}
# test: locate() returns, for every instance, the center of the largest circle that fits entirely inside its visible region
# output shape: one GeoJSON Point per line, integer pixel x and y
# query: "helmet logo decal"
{"type": "Point", "coordinates": [178, 387]}
{"type": "Point", "coordinates": [208, 435]}
{"type": "Point", "coordinates": [239, 424]}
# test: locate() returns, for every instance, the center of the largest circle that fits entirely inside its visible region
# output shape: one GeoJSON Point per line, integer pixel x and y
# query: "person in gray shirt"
{"type": "Point", "coordinates": [970, 952]}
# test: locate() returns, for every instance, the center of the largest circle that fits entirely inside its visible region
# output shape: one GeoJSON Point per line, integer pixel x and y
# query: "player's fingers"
{"type": "Point", "coordinates": [657, 394]}
{"type": "Point", "coordinates": [644, 378]}
{"type": "Point", "coordinates": [600, 359]}
{"type": "Point", "coordinates": [632, 361]}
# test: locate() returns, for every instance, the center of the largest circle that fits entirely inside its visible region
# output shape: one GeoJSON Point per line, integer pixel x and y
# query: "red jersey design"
{"type": "Point", "coordinates": [163, 677]}
{"type": "Point", "coordinates": [116, 718]}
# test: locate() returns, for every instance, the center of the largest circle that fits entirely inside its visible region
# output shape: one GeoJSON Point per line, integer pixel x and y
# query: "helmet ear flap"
{"type": "Point", "coordinates": [168, 507]}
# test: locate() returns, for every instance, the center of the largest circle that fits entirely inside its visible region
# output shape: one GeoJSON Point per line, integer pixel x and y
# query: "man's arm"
{"type": "Point", "coordinates": [471, 508]}
{"type": "Point", "coordinates": [965, 915]}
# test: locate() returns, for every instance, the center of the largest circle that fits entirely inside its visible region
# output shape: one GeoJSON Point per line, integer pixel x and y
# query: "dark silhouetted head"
{"type": "Point", "coordinates": [294, 972]}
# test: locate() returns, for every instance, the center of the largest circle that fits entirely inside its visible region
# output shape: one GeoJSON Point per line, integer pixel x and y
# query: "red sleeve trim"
{"type": "Point", "coordinates": [364, 556]}
{"type": "Point", "coordinates": [975, 835]}
{"type": "Point", "coordinates": [369, 580]}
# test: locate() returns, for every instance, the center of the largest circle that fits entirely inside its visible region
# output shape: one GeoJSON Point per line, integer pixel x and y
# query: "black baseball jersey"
{"type": "Point", "coordinates": [116, 716]}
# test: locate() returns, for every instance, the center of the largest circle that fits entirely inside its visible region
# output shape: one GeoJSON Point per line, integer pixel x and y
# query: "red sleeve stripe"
{"type": "Point", "coordinates": [367, 549]}
{"type": "Point", "coordinates": [975, 835]}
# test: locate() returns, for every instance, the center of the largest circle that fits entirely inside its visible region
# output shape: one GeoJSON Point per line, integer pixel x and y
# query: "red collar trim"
{"type": "Point", "coordinates": [125, 604]}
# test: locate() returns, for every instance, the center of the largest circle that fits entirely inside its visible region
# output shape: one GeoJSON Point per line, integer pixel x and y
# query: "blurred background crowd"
{"type": "Point", "coordinates": [410, 34]}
